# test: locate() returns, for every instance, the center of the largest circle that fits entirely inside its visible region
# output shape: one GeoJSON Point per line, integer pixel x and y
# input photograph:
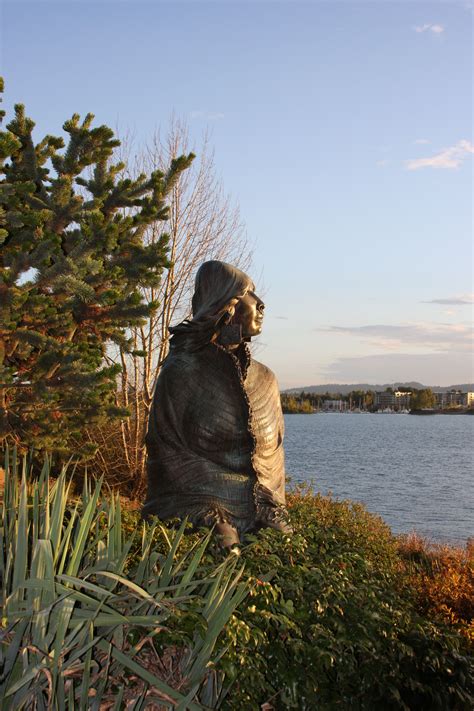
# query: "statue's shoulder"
{"type": "Point", "coordinates": [184, 362]}
{"type": "Point", "coordinates": [259, 371]}
{"type": "Point", "coordinates": [178, 364]}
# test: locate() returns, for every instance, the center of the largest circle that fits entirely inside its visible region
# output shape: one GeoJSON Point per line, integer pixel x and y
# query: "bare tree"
{"type": "Point", "coordinates": [203, 224]}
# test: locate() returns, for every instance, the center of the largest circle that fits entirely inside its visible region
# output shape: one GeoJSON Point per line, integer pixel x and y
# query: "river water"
{"type": "Point", "coordinates": [417, 472]}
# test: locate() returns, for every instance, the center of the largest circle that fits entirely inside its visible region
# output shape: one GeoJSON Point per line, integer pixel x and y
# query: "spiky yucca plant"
{"type": "Point", "coordinates": [78, 607]}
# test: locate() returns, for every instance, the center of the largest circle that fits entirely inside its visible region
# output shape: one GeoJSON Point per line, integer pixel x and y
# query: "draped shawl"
{"type": "Point", "coordinates": [214, 438]}
{"type": "Point", "coordinates": [215, 429]}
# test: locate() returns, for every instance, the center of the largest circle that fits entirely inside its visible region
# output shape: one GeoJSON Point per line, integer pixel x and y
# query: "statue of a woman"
{"type": "Point", "coordinates": [215, 430]}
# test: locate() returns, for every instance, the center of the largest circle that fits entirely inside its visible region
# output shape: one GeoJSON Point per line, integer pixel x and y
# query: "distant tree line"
{"type": "Point", "coordinates": [292, 404]}
{"type": "Point", "coordinates": [306, 402]}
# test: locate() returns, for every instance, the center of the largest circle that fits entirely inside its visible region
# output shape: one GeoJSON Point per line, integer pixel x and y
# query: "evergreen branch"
{"type": "Point", "coordinates": [92, 264]}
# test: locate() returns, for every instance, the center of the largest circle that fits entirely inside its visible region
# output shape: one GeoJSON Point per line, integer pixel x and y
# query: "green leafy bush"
{"type": "Point", "coordinates": [328, 623]}
{"type": "Point", "coordinates": [328, 627]}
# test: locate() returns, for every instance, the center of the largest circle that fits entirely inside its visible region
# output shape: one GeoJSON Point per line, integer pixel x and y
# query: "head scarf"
{"type": "Point", "coordinates": [218, 287]}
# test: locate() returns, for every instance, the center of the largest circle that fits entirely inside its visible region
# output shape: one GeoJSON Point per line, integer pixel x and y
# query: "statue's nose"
{"type": "Point", "coordinates": [260, 306]}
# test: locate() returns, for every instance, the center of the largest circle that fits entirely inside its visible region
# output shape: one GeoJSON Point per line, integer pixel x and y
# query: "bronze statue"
{"type": "Point", "coordinates": [215, 430]}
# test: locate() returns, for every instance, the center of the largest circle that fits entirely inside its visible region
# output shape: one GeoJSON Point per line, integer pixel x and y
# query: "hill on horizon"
{"type": "Point", "coordinates": [345, 388]}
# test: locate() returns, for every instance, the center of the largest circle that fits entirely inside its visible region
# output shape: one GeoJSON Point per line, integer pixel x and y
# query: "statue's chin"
{"type": "Point", "coordinates": [250, 334]}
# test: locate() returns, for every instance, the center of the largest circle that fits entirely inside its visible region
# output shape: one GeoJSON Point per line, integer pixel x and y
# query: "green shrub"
{"type": "Point", "coordinates": [326, 627]}
{"type": "Point", "coordinates": [327, 624]}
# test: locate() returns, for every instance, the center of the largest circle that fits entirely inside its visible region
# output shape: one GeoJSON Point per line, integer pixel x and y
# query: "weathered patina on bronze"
{"type": "Point", "coordinates": [215, 430]}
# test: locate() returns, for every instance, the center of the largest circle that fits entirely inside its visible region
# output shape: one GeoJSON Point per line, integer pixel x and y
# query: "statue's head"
{"type": "Point", "coordinates": [227, 296]}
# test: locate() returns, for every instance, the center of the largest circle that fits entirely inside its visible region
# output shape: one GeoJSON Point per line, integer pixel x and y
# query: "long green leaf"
{"type": "Point", "coordinates": [64, 545]}
{"type": "Point", "coordinates": [83, 532]}
{"type": "Point", "coordinates": [21, 543]}
{"type": "Point", "coordinates": [59, 495]}
{"type": "Point", "coordinates": [165, 575]}
{"type": "Point", "coordinates": [193, 565]}
{"type": "Point", "coordinates": [40, 599]}
{"type": "Point", "coordinates": [139, 591]}
{"type": "Point", "coordinates": [83, 701]}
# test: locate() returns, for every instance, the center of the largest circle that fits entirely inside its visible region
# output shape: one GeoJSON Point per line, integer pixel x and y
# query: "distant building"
{"type": "Point", "coordinates": [335, 405]}
{"type": "Point", "coordinates": [451, 398]}
{"type": "Point", "coordinates": [384, 400]}
{"type": "Point", "coordinates": [402, 400]}
{"type": "Point", "coordinates": [454, 398]}
{"type": "Point", "coordinates": [397, 400]}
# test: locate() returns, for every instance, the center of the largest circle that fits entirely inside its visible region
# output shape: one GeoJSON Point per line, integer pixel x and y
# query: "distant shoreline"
{"type": "Point", "coordinates": [345, 388]}
{"type": "Point", "coordinates": [464, 411]}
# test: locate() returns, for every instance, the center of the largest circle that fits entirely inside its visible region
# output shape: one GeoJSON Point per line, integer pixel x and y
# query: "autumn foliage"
{"type": "Point", "coordinates": [441, 579]}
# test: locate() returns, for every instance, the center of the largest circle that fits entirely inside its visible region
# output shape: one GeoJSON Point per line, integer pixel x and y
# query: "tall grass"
{"type": "Point", "coordinates": [81, 614]}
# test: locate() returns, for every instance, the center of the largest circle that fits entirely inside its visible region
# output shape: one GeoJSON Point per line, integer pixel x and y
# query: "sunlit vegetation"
{"type": "Point", "coordinates": [100, 608]}
{"type": "Point", "coordinates": [293, 405]}
{"type": "Point", "coordinates": [442, 580]}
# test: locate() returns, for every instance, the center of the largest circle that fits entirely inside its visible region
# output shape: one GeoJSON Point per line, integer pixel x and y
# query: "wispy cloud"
{"type": "Point", "coordinates": [434, 336]}
{"type": "Point", "coordinates": [207, 115]}
{"type": "Point", "coordinates": [451, 157]}
{"type": "Point", "coordinates": [460, 300]}
{"type": "Point", "coordinates": [429, 27]}
{"type": "Point", "coordinates": [381, 163]}
{"type": "Point", "coordinates": [421, 141]}
{"type": "Point", "coordinates": [282, 318]}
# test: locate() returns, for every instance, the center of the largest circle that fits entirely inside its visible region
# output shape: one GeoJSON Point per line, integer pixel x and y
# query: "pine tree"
{"type": "Point", "coordinates": [73, 266]}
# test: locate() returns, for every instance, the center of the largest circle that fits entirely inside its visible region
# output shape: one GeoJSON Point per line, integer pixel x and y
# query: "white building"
{"type": "Point", "coordinates": [397, 400]}
{"type": "Point", "coordinates": [335, 405]}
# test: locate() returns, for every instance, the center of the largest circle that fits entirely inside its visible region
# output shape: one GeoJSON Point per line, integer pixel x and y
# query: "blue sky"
{"type": "Point", "coordinates": [343, 130]}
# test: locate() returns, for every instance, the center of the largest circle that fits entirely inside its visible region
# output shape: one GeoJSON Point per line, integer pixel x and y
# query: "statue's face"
{"type": "Point", "coordinates": [249, 314]}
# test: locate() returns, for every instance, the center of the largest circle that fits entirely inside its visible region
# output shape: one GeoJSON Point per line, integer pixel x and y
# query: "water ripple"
{"type": "Point", "coordinates": [416, 472]}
